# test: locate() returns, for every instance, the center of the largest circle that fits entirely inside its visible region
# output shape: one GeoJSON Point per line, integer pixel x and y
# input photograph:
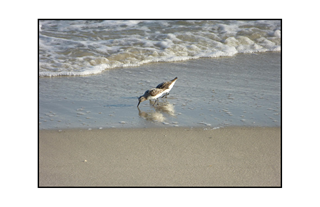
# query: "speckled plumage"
{"type": "Point", "coordinates": [161, 90]}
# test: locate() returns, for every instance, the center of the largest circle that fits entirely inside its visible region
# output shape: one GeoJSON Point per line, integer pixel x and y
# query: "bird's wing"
{"type": "Point", "coordinates": [164, 85]}
{"type": "Point", "coordinates": [160, 85]}
{"type": "Point", "coordinates": [155, 91]}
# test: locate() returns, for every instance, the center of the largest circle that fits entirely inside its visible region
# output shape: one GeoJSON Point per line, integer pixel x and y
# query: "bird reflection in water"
{"type": "Point", "coordinates": [161, 109]}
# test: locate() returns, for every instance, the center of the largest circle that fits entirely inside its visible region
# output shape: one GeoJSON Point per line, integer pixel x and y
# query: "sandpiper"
{"type": "Point", "coordinates": [161, 90]}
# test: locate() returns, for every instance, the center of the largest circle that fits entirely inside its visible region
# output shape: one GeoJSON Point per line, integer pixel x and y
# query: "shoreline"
{"type": "Point", "coordinates": [101, 71]}
{"type": "Point", "coordinates": [243, 90]}
{"type": "Point", "coordinates": [161, 157]}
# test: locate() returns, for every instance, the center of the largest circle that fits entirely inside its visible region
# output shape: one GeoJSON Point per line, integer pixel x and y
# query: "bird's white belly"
{"type": "Point", "coordinates": [157, 96]}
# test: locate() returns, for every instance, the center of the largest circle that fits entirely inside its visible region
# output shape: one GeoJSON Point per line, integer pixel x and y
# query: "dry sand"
{"type": "Point", "coordinates": [232, 156]}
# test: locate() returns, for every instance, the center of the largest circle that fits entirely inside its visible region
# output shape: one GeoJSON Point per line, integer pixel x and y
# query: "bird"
{"type": "Point", "coordinates": [161, 90]}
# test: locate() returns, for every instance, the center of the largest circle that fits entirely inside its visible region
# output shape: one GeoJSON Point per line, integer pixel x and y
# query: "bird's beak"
{"type": "Point", "coordinates": [139, 103]}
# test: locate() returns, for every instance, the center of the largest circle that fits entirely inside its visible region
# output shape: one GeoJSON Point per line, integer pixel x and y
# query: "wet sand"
{"type": "Point", "coordinates": [173, 156]}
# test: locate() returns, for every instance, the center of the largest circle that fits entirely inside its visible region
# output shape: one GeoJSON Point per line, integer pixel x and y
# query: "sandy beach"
{"type": "Point", "coordinates": [220, 126]}
{"type": "Point", "coordinates": [173, 156]}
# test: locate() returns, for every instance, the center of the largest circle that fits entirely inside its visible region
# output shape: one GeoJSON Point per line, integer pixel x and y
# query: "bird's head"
{"type": "Point", "coordinates": [141, 99]}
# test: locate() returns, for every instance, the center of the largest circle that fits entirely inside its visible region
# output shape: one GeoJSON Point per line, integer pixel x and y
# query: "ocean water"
{"type": "Point", "coordinates": [92, 72]}
{"type": "Point", "coordinates": [242, 90]}
{"type": "Point", "coordinates": [89, 47]}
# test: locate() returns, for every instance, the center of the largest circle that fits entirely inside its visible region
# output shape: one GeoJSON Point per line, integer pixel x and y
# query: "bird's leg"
{"type": "Point", "coordinates": [155, 102]}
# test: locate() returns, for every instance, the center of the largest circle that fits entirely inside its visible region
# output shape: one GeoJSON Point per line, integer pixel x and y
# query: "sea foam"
{"type": "Point", "coordinates": [79, 48]}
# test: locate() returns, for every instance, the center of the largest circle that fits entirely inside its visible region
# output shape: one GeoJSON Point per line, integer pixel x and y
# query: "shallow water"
{"type": "Point", "coordinates": [242, 90]}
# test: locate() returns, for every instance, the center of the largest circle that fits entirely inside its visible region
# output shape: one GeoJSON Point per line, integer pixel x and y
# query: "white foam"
{"type": "Point", "coordinates": [77, 48]}
{"type": "Point", "coordinates": [277, 33]}
{"type": "Point", "coordinates": [207, 124]}
{"type": "Point", "coordinates": [89, 71]}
